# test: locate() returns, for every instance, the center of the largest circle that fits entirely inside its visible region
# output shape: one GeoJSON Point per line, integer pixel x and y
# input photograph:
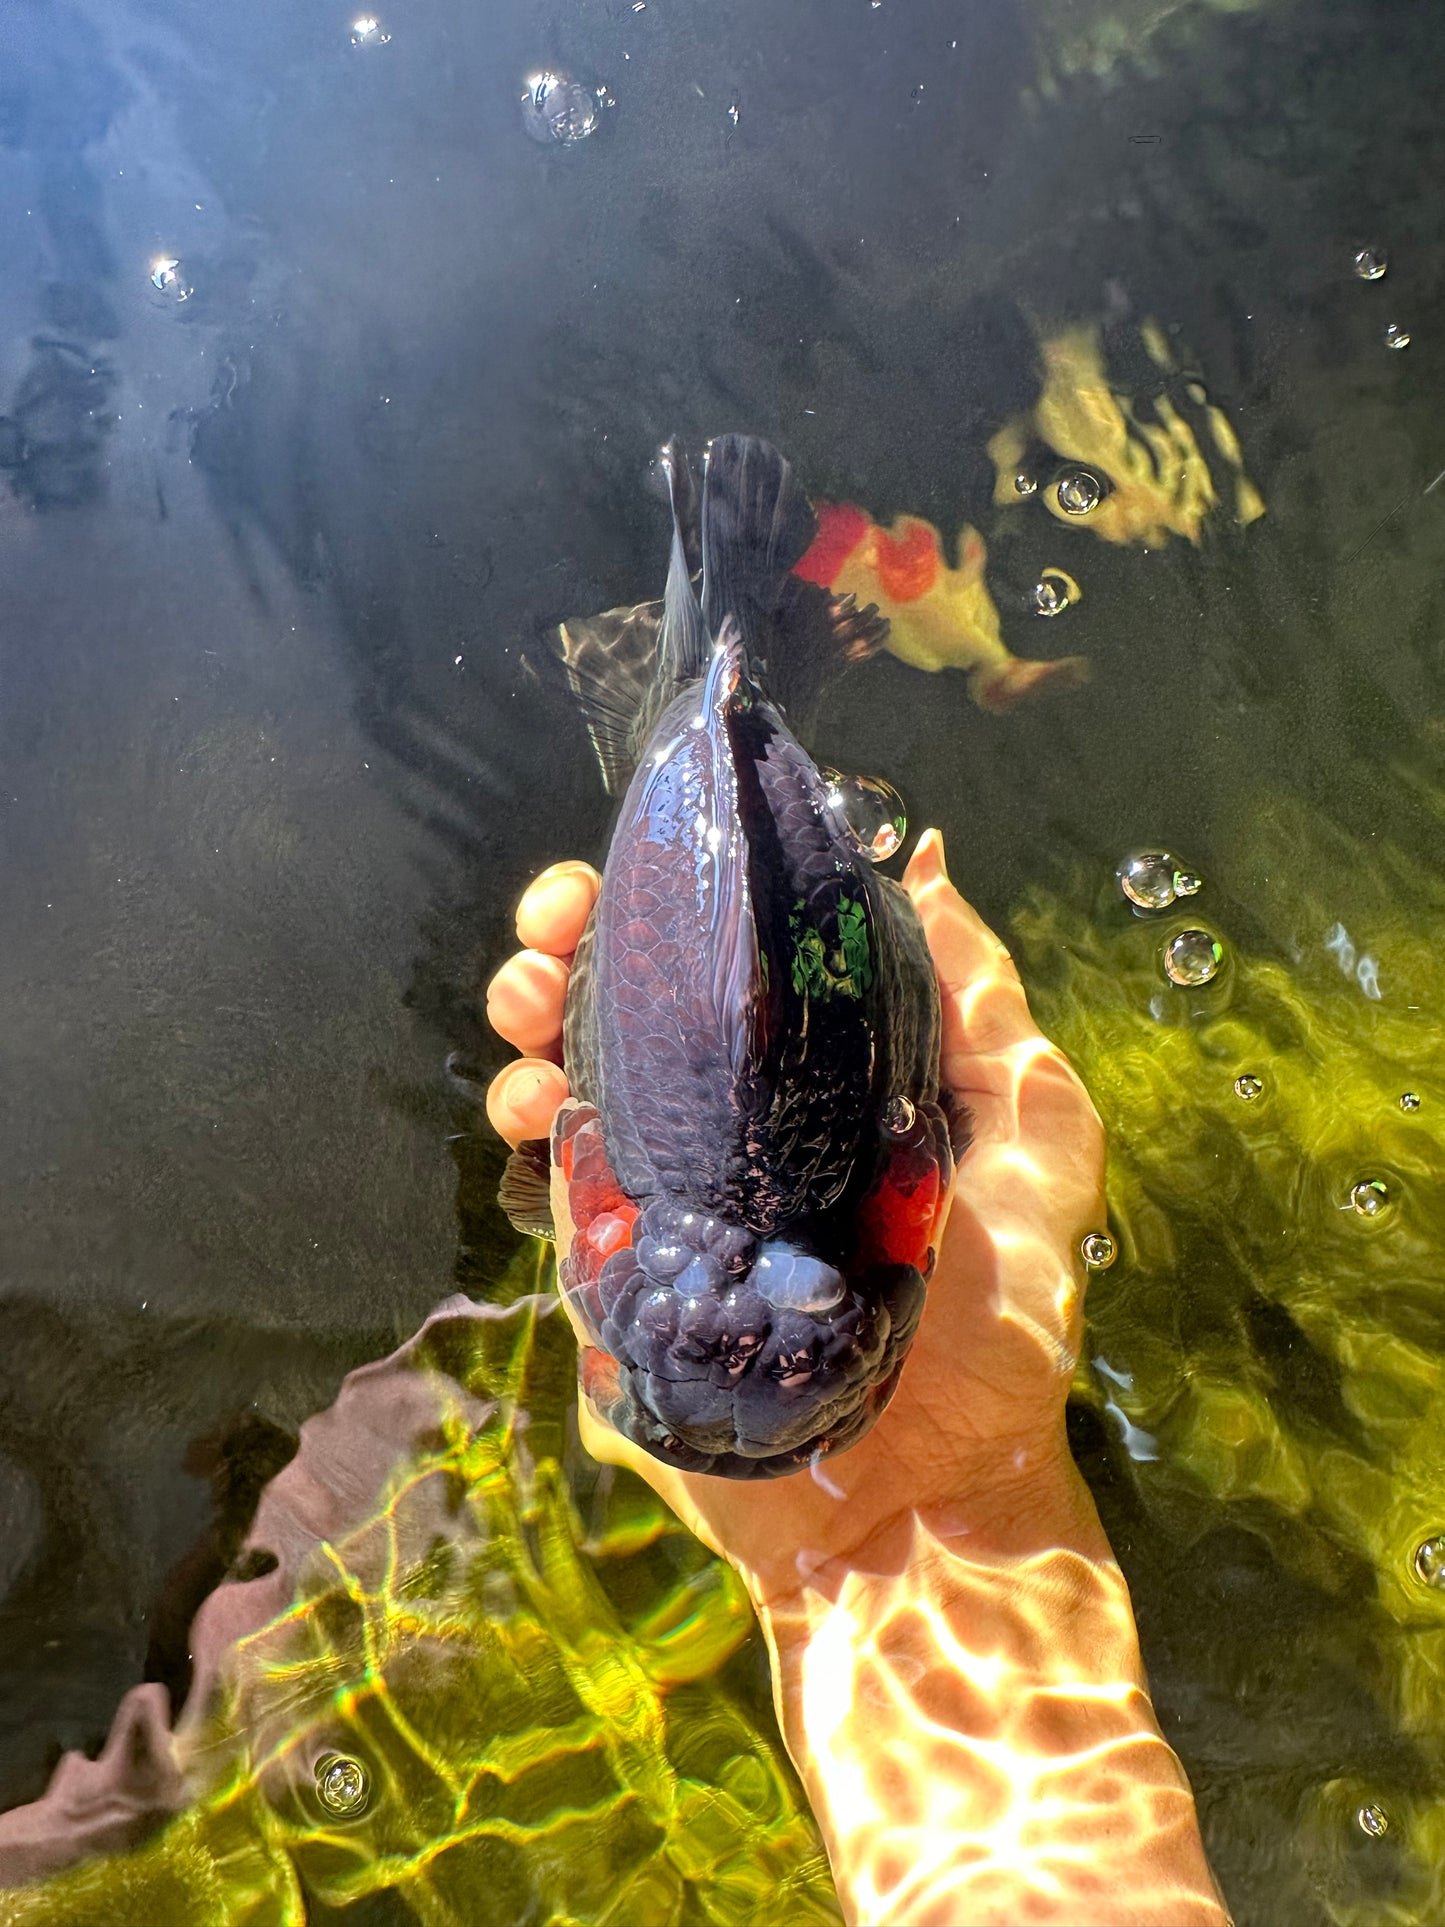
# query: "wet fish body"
{"type": "Point", "coordinates": [756, 1158]}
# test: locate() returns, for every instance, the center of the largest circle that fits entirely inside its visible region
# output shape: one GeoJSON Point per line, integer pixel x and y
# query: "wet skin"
{"type": "Point", "coordinates": [981, 1405]}
{"type": "Point", "coordinates": [956, 1544]}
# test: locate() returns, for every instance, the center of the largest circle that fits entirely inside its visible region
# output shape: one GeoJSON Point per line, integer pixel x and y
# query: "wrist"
{"type": "Point", "coordinates": [966, 1704]}
{"type": "Point", "coordinates": [1012, 1496]}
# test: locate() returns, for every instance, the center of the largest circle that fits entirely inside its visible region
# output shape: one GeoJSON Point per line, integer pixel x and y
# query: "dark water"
{"type": "Point", "coordinates": [278, 559]}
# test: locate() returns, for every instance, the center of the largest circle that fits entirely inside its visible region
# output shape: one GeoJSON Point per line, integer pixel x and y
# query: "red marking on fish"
{"type": "Point", "coordinates": [841, 527]}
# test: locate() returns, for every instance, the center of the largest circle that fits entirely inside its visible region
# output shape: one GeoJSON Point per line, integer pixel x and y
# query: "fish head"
{"type": "Point", "coordinates": [719, 1348]}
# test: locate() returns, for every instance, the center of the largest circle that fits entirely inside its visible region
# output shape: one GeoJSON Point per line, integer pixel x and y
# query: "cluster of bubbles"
{"type": "Point", "coordinates": [1077, 492]}
{"type": "Point", "coordinates": [1152, 879]}
{"type": "Point", "coordinates": [870, 811]}
{"type": "Point", "coordinates": [558, 109]}
{"type": "Point", "coordinates": [1370, 264]}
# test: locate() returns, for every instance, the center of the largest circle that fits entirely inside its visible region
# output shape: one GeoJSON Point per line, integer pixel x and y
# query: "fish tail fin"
{"type": "Point", "coordinates": [756, 523]}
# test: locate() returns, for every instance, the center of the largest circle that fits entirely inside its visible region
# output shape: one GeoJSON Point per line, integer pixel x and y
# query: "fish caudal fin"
{"type": "Point", "coordinates": [753, 524]}
{"type": "Point", "coordinates": [756, 523]}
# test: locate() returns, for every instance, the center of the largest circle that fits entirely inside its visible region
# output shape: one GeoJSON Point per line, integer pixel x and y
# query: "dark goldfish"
{"type": "Point", "coordinates": [757, 1155]}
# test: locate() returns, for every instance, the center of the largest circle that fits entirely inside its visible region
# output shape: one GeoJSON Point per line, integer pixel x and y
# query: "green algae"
{"type": "Point", "coordinates": [527, 1656]}
{"type": "Point", "coordinates": [1268, 1358]}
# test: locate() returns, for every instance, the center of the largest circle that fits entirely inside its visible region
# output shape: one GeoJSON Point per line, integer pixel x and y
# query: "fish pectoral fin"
{"type": "Point", "coordinates": [525, 1193]}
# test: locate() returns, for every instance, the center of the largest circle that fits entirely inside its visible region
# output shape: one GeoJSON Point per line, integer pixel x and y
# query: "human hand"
{"type": "Point", "coordinates": [973, 1441]}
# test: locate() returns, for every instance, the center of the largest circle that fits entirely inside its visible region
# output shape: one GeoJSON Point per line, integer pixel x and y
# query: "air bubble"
{"type": "Point", "coordinates": [1396, 336]}
{"type": "Point", "coordinates": [1078, 492]}
{"type": "Point", "coordinates": [1373, 1820]}
{"type": "Point", "coordinates": [1429, 1562]}
{"type": "Point", "coordinates": [1025, 485]}
{"type": "Point", "coordinates": [167, 278]}
{"type": "Point", "coordinates": [1098, 1250]}
{"type": "Point", "coordinates": [1152, 879]}
{"type": "Point", "coordinates": [1370, 1197]}
{"type": "Point", "coordinates": [1193, 957]}
{"type": "Point", "coordinates": [1370, 264]}
{"type": "Point", "coordinates": [1054, 592]}
{"type": "Point", "coordinates": [1248, 1087]}
{"type": "Point", "coordinates": [366, 32]}
{"type": "Point", "coordinates": [899, 1115]}
{"type": "Point", "coordinates": [1409, 1100]}
{"type": "Point", "coordinates": [343, 1785]}
{"type": "Point", "coordinates": [555, 107]}
{"type": "Point", "coordinates": [871, 813]}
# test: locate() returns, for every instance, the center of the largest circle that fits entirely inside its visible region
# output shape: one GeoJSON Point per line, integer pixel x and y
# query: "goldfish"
{"type": "Point", "coordinates": [753, 1168]}
{"type": "Point", "coordinates": [939, 617]}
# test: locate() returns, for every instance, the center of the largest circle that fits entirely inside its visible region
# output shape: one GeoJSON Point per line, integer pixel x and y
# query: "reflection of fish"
{"type": "Point", "coordinates": [758, 1157]}
{"type": "Point", "coordinates": [939, 618]}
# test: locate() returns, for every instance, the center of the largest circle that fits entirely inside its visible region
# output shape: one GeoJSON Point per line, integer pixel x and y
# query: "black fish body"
{"type": "Point", "coordinates": [757, 1158]}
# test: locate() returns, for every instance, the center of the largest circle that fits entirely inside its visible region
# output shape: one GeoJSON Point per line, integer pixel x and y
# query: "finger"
{"type": "Point", "coordinates": [522, 1099]}
{"type": "Point", "coordinates": [525, 1000]}
{"type": "Point", "coordinates": [555, 907]}
{"type": "Point", "coordinates": [984, 1007]}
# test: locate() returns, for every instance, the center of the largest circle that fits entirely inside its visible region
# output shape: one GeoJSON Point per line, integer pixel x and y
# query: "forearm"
{"type": "Point", "coordinates": [969, 1712]}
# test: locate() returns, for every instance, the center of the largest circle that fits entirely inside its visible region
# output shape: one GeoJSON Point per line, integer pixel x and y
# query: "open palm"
{"type": "Point", "coordinates": [977, 1420]}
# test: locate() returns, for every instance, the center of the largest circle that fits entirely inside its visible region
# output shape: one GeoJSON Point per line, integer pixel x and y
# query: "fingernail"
{"type": "Point", "coordinates": [573, 867]}
{"type": "Point", "coordinates": [516, 1096]}
{"type": "Point", "coordinates": [561, 894]}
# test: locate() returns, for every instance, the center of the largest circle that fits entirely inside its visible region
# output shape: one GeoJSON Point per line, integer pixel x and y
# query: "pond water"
{"type": "Point", "coordinates": [334, 349]}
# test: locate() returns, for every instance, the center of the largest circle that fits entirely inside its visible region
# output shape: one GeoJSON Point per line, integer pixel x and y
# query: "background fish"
{"type": "Point", "coordinates": [757, 1157]}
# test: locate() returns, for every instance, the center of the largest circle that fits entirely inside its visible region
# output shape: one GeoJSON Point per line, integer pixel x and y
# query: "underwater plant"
{"type": "Point", "coordinates": [1267, 1357]}
{"type": "Point", "coordinates": [468, 1673]}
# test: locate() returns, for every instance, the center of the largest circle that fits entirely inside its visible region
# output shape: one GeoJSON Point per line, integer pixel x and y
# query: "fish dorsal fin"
{"type": "Point", "coordinates": [756, 523]}
{"type": "Point", "coordinates": [682, 643]}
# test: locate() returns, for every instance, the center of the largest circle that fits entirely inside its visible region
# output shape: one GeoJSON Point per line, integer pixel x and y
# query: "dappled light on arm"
{"type": "Point", "coordinates": [980, 1745]}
